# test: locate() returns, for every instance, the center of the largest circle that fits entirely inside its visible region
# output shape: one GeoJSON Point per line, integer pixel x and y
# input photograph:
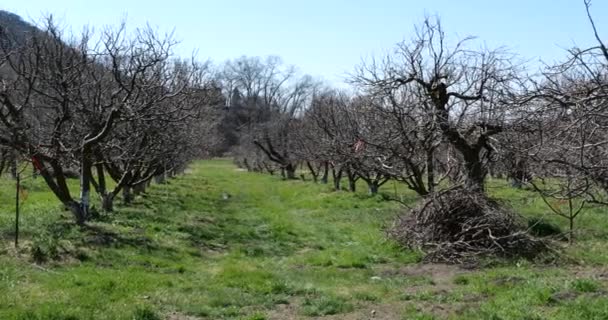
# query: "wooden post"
{"type": "Point", "coordinates": [18, 184]}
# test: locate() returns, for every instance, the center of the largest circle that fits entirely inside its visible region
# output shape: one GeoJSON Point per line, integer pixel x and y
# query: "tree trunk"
{"type": "Point", "coordinates": [246, 163]}
{"type": "Point", "coordinates": [139, 188]}
{"type": "Point", "coordinates": [160, 178]}
{"type": "Point", "coordinates": [325, 176]}
{"type": "Point", "coordinates": [268, 168]}
{"type": "Point", "coordinates": [352, 185]}
{"type": "Point", "coordinates": [13, 166]}
{"type": "Point", "coordinates": [352, 180]}
{"type": "Point", "coordinates": [430, 170]}
{"type": "Point", "coordinates": [78, 212]}
{"type": "Point", "coordinates": [101, 178]}
{"type": "Point", "coordinates": [171, 173]}
{"type": "Point", "coordinates": [475, 173]}
{"type": "Point", "coordinates": [290, 169]}
{"type": "Point", "coordinates": [337, 175]}
{"type": "Point", "coordinates": [106, 198]}
{"type": "Point", "coordinates": [59, 187]}
{"type": "Point", "coordinates": [107, 202]}
{"type": "Point", "coordinates": [372, 188]}
{"type": "Point", "coordinates": [571, 233]}
{"type": "Point", "coordinates": [313, 172]}
{"type": "Point", "coordinates": [85, 183]}
{"type": "Point", "coordinates": [3, 158]}
{"type": "Point", "coordinates": [127, 197]}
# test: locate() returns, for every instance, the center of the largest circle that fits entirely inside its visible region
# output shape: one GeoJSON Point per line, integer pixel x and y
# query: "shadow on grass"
{"type": "Point", "coordinates": [95, 235]}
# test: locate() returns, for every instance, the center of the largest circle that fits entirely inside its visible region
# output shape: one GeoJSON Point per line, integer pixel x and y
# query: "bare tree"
{"type": "Point", "coordinates": [276, 137]}
{"type": "Point", "coordinates": [459, 88]}
{"type": "Point", "coordinates": [335, 131]}
{"type": "Point", "coordinates": [64, 96]}
{"type": "Point", "coordinates": [568, 147]}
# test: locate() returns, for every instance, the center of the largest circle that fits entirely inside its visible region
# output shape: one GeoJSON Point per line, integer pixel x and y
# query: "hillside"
{"type": "Point", "coordinates": [221, 243]}
{"type": "Point", "coordinates": [13, 26]}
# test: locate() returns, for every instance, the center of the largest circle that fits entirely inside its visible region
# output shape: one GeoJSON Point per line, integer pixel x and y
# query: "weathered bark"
{"type": "Point", "coordinates": [58, 185]}
{"type": "Point", "coordinates": [122, 180]}
{"type": "Point", "coordinates": [86, 174]}
{"type": "Point", "coordinates": [475, 172]}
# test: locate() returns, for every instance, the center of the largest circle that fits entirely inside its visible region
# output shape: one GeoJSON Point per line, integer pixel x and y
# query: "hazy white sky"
{"type": "Point", "coordinates": [328, 38]}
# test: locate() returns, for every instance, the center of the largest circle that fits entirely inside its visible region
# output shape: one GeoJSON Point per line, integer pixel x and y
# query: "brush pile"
{"type": "Point", "coordinates": [459, 226]}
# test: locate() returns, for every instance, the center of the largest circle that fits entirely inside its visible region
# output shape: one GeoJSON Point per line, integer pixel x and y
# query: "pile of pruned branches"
{"type": "Point", "coordinates": [459, 226]}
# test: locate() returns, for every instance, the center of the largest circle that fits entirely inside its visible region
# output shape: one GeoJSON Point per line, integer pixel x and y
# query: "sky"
{"type": "Point", "coordinates": [328, 38]}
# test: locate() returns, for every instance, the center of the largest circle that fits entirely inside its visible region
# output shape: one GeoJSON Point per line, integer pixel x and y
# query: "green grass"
{"type": "Point", "coordinates": [273, 250]}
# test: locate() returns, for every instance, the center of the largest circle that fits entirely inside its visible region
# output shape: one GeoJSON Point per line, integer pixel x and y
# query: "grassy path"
{"type": "Point", "coordinates": [219, 243]}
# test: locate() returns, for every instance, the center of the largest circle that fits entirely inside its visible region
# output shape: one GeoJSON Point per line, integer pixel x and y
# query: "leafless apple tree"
{"type": "Point", "coordinates": [68, 103]}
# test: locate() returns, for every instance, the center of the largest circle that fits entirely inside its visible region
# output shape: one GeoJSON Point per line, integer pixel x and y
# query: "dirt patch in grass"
{"type": "Point", "coordinates": [439, 273]}
{"type": "Point", "coordinates": [380, 312]}
{"type": "Point", "coordinates": [437, 310]}
{"type": "Point", "coordinates": [180, 316]}
{"type": "Point", "coordinates": [440, 276]}
{"type": "Point", "coordinates": [508, 281]}
{"type": "Point", "coordinates": [384, 311]}
{"type": "Point", "coordinates": [284, 312]}
{"type": "Point", "coordinates": [563, 296]}
{"type": "Point", "coordinates": [597, 273]}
